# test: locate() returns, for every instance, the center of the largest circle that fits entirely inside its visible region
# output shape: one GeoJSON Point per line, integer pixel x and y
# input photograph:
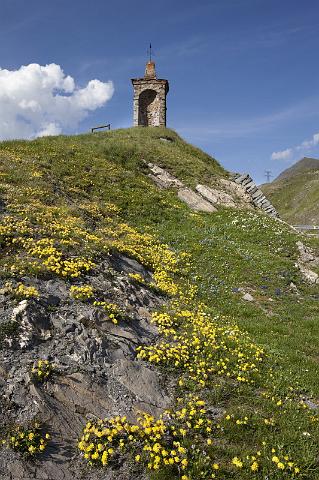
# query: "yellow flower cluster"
{"type": "Point", "coordinates": [237, 462]}
{"type": "Point", "coordinates": [237, 421]}
{"type": "Point", "coordinates": [154, 442]}
{"type": "Point", "coordinates": [201, 346]}
{"type": "Point", "coordinates": [99, 212]}
{"type": "Point", "coordinates": [284, 463]}
{"type": "Point", "coordinates": [158, 257]}
{"type": "Point", "coordinates": [42, 370]}
{"type": "Point", "coordinates": [137, 277]}
{"type": "Point", "coordinates": [53, 259]}
{"type": "Point", "coordinates": [83, 292]}
{"type": "Point", "coordinates": [165, 283]}
{"type": "Point", "coordinates": [37, 174]}
{"type": "Point", "coordinates": [113, 311]}
{"type": "Point", "coordinates": [22, 291]}
{"type": "Point", "coordinates": [255, 462]}
{"type": "Point", "coordinates": [28, 441]}
{"type": "Point", "coordinates": [41, 238]}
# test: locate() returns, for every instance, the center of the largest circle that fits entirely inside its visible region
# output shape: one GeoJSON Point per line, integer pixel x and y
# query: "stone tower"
{"type": "Point", "coordinates": [150, 99]}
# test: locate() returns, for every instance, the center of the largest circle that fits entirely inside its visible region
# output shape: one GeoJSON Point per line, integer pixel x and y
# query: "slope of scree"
{"type": "Point", "coordinates": [122, 300]}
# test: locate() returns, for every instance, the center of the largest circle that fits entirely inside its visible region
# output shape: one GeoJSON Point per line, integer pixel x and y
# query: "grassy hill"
{"type": "Point", "coordinates": [242, 373]}
{"type": "Point", "coordinates": [295, 192]}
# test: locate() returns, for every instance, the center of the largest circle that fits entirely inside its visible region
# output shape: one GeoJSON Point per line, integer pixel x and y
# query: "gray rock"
{"type": "Point", "coordinates": [252, 189]}
{"type": "Point", "coordinates": [52, 300]}
{"type": "Point", "coordinates": [309, 275]}
{"type": "Point", "coordinates": [216, 196]}
{"type": "Point", "coordinates": [248, 298]}
{"type": "Point", "coordinates": [96, 373]}
{"type": "Point", "coordinates": [143, 382]}
{"type": "Point", "coordinates": [257, 194]}
{"type": "Point", "coordinates": [247, 181]}
{"type": "Point", "coordinates": [194, 201]}
{"type": "Point", "coordinates": [241, 178]}
{"type": "Point", "coordinates": [306, 261]}
{"type": "Point", "coordinates": [163, 178]}
{"type": "Point", "coordinates": [125, 264]}
{"type": "Point", "coordinates": [249, 185]}
{"type": "Point", "coordinates": [166, 139]}
{"type": "Point", "coordinates": [306, 254]}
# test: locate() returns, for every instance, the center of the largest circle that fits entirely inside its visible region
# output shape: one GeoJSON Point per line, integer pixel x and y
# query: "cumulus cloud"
{"type": "Point", "coordinates": [308, 144]}
{"type": "Point", "coordinates": [305, 146]}
{"type": "Point", "coordinates": [40, 100]}
{"type": "Point", "coordinates": [282, 155]}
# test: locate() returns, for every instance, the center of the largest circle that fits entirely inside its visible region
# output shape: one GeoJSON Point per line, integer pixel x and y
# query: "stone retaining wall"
{"type": "Point", "coordinates": [257, 197]}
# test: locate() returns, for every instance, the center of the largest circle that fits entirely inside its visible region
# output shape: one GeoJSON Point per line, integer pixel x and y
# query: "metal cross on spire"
{"type": "Point", "coordinates": [149, 52]}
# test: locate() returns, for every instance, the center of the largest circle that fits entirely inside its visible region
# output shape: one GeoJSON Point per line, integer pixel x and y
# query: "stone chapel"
{"type": "Point", "coordinates": [149, 99]}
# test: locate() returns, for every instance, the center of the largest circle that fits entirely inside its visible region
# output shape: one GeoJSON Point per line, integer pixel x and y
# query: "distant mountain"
{"type": "Point", "coordinates": [295, 192]}
{"type": "Point", "coordinates": [304, 164]}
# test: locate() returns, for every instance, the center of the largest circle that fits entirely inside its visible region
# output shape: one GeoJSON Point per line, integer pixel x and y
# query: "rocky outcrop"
{"type": "Point", "coordinates": [240, 192]}
{"type": "Point", "coordinates": [216, 197]}
{"type": "Point", "coordinates": [258, 199]}
{"type": "Point", "coordinates": [162, 178]}
{"type": "Point", "coordinates": [306, 262]}
{"type": "Point", "coordinates": [194, 201]}
{"type": "Point", "coordinates": [96, 372]}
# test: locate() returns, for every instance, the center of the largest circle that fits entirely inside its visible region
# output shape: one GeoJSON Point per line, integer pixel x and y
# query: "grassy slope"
{"type": "Point", "coordinates": [230, 250]}
{"type": "Point", "coordinates": [296, 194]}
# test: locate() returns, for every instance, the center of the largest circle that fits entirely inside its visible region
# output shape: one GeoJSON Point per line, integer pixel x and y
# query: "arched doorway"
{"type": "Point", "coordinates": [148, 108]}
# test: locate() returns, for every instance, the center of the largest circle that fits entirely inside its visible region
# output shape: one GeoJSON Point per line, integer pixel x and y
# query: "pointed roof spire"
{"type": "Point", "coordinates": [150, 72]}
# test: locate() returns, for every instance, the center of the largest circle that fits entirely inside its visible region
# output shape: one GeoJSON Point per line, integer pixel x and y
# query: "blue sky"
{"type": "Point", "coordinates": [244, 74]}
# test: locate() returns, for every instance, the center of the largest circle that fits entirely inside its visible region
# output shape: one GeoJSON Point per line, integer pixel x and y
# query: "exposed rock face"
{"type": "Point", "coordinates": [194, 201]}
{"type": "Point", "coordinates": [216, 196]}
{"type": "Point", "coordinates": [306, 261]}
{"type": "Point", "coordinates": [163, 178]}
{"type": "Point", "coordinates": [241, 192]}
{"type": "Point", "coordinates": [97, 373]}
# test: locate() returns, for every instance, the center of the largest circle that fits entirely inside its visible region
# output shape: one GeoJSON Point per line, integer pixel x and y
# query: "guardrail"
{"type": "Point", "coordinates": [306, 227]}
{"type": "Point", "coordinates": [108, 126]}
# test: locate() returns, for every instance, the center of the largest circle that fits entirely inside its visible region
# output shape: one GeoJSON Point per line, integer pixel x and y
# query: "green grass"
{"type": "Point", "coordinates": [297, 197]}
{"type": "Point", "coordinates": [232, 251]}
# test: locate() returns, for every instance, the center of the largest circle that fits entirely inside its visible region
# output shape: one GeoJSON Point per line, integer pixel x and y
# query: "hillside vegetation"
{"type": "Point", "coordinates": [295, 192]}
{"type": "Point", "coordinates": [94, 256]}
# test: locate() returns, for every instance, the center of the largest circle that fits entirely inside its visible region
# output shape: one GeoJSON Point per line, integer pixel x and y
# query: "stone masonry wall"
{"type": "Point", "coordinates": [149, 110]}
{"type": "Point", "coordinates": [257, 197]}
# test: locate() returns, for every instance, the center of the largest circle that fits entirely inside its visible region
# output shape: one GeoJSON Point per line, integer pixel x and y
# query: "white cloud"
{"type": "Point", "coordinates": [305, 146]}
{"type": "Point", "coordinates": [49, 130]}
{"type": "Point", "coordinates": [282, 155]}
{"type": "Point", "coordinates": [40, 100]}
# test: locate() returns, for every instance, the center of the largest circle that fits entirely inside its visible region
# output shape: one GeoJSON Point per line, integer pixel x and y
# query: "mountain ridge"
{"type": "Point", "coordinates": [306, 163]}
{"type": "Point", "coordinates": [295, 192]}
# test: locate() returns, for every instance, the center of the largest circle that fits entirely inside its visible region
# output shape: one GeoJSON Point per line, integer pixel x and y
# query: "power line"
{"type": "Point", "coordinates": [268, 175]}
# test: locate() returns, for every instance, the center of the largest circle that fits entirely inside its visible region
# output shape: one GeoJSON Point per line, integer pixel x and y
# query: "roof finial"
{"type": "Point", "coordinates": [150, 66]}
{"type": "Point", "coordinates": [149, 51]}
